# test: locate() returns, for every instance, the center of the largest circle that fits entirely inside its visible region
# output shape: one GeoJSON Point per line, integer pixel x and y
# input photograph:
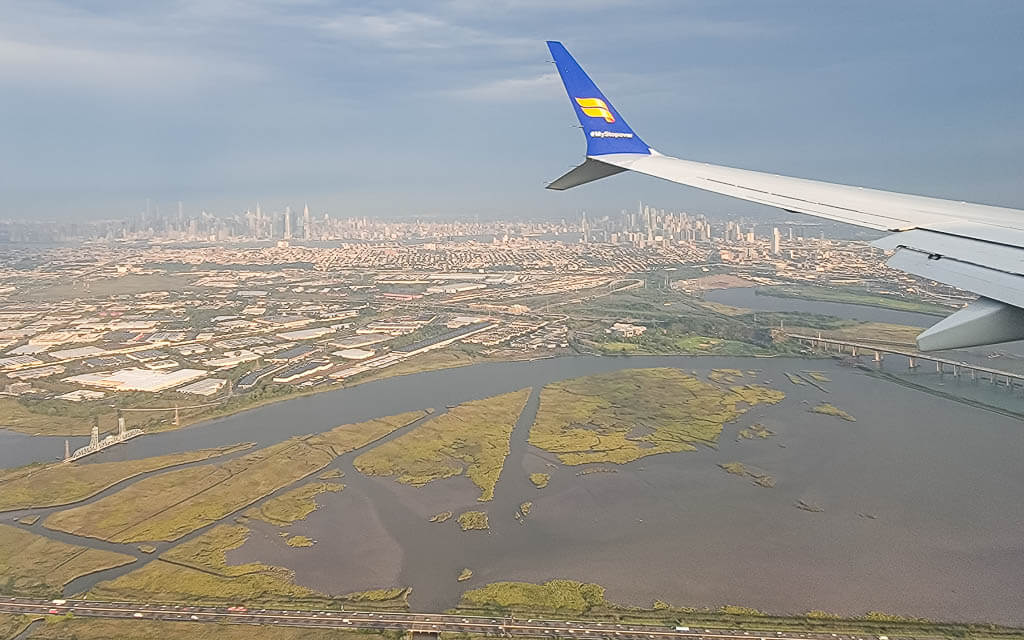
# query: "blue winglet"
{"type": "Point", "coordinates": [606, 131]}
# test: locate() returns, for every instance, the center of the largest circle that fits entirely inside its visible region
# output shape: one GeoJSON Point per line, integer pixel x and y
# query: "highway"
{"type": "Point", "coordinates": [413, 622]}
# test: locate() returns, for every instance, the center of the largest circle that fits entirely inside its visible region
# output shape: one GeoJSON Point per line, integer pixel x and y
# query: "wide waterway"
{"type": "Point", "coordinates": [920, 497]}
{"type": "Point", "coordinates": [749, 298]}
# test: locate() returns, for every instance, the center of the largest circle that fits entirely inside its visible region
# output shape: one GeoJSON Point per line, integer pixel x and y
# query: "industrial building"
{"type": "Point", "coordinates": [206, 387]}
{"type": "Point", "coordinates": [354, 354]}
{"type": "Point", "coordinates": [306, 334]}
{"type": "Point", "coordinates": [137, 379]}
{"type": "Point", "coordinates": [302, 370]}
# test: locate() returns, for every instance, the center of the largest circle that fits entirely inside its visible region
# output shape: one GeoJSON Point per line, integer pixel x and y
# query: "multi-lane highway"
{"type": "Point", "coordinates": [415, 622]}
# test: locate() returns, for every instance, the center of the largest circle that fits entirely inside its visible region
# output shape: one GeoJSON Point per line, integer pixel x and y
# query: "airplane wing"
{"type": "Point", "coordinates": [975, 247]}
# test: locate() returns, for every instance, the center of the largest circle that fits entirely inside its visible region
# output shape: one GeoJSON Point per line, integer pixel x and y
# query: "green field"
{"type": "Point", "coordinates": [831, 410]}
{"type": "Point", "coordinates": [197, 571]}
{"type": "Point", "coordinates": [32, 565]}
{"type": "Point", "coordinates": [18, 416]}
{"type": "Point", "coordinates": [293, 505]}
{"type": "Point", "coordinates": [300, 541]}
{"type": "Point", "coordinates": [474, 521]}
{"type": "Point", "coordinates": [577, 600]}
{"type": "Point", "coordinates": [11, 624]}
{"type": "Point", "coordinates": [688, 344]}
{"type": "Point", "coordinates": [756, 430]}
{"type": "Point", "coordinates": [863, 332]}
{"type": "Point", "coordinates": [562, 596]}
{"type": "Point", "coordinates": [59, 628]}
{"type": "Point", "coordinates": [172, 504]}
{"type": "Point", "coordinates": [676, 324]}
{"type": "Point", "coordinates": [540, 480]}
{"type": "Point", "coordinates": [53, 484]}
{"type": "Point", "coordinates": [471, 439]}
{"type": "Point", "coordinates": [760, 478]}
{"type": "Point", "coordinates": [626, 415]}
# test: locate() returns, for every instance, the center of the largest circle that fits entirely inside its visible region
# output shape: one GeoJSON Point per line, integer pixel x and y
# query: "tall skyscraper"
{"type": "Point", "coordinates": [307, 226]}
{"type": "Point", "coordinates": [776, 241]}
{"type": "Point", "coordinates": [287, 223]}
{"type": "Point", "coordinates": [586, 228]}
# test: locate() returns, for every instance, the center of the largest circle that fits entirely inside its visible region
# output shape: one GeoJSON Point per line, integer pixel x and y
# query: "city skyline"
{"type": "Point", "coordinates": [642, 226]}
{"type": "Point", "coordinates": [377, 110]}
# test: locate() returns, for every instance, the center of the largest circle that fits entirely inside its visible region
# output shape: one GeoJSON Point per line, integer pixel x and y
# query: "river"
{"type": "Point", "coordinates": [921, 501]}
{"type": "Point", "coordinates": [748, 298]}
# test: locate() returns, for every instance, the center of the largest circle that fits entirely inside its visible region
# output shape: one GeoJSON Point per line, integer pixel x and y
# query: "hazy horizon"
{"type": "Point", "coordinates": [372, 109]}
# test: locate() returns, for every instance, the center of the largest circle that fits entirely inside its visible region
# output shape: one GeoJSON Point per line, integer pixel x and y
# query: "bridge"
{"type": "Point", "coordinates": [942, 365]}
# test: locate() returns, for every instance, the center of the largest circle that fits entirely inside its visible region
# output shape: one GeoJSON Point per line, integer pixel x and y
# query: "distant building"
{"type": "Point", "coordinates": [302, 370]}
{"type": "Point", "coordinates": [80, 395]}
{"type": "Point", "coordinates": [354, 354]}
{"type": "Point", "coordinates": [626, 330]}
{"type": "Point", "coordinates": [137, 379]}
{"type": "Point", "coordinates": [80, 352]}
{"type": "Point", "coordinates": [391, 328]}
{"type": "Point", "coordinates": [18, 388]}
{"type": "Point", "coordinates": [352, 342]}
{"type": "Point", "coordinates": [206, 387]}
{"type": "Point", "coordinates": [456, 287]}
{"type": "Point", "coordinates": [19, 362]}
{"type": "Point", "coordinates": [462, 321]}
{"type": "Point", "coordinates": [293, 354]}
{"type": "Point", "coordinates": [230, 359]}
{"type": "Point", "coordinates": [306, 334]}
{"type": "Point", "coordinates": [38, 372]}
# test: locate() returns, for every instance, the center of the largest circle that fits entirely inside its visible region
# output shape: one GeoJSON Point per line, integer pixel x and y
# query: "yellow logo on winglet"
{"type": "Point", "coordinates": [595, 108]}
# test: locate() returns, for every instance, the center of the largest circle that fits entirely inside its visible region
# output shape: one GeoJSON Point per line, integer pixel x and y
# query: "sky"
{"type": "Point", "coordinates": [452, 108]}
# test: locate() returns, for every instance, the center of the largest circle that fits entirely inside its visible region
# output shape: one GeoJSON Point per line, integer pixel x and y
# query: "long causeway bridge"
{"type": "Point", "coordinates": [942, 365]}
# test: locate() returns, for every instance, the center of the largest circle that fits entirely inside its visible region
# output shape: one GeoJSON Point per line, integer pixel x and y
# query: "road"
{"type": "Point", "coordinates": [415, 622]}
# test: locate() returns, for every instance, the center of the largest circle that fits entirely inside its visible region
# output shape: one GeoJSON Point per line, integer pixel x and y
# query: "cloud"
{"type": "Point", "coordinates": [410, 30]}
{"type": "Point", "coordinates": [540, 87]}
{"type": "Point", "coordinates": [68, 67]}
